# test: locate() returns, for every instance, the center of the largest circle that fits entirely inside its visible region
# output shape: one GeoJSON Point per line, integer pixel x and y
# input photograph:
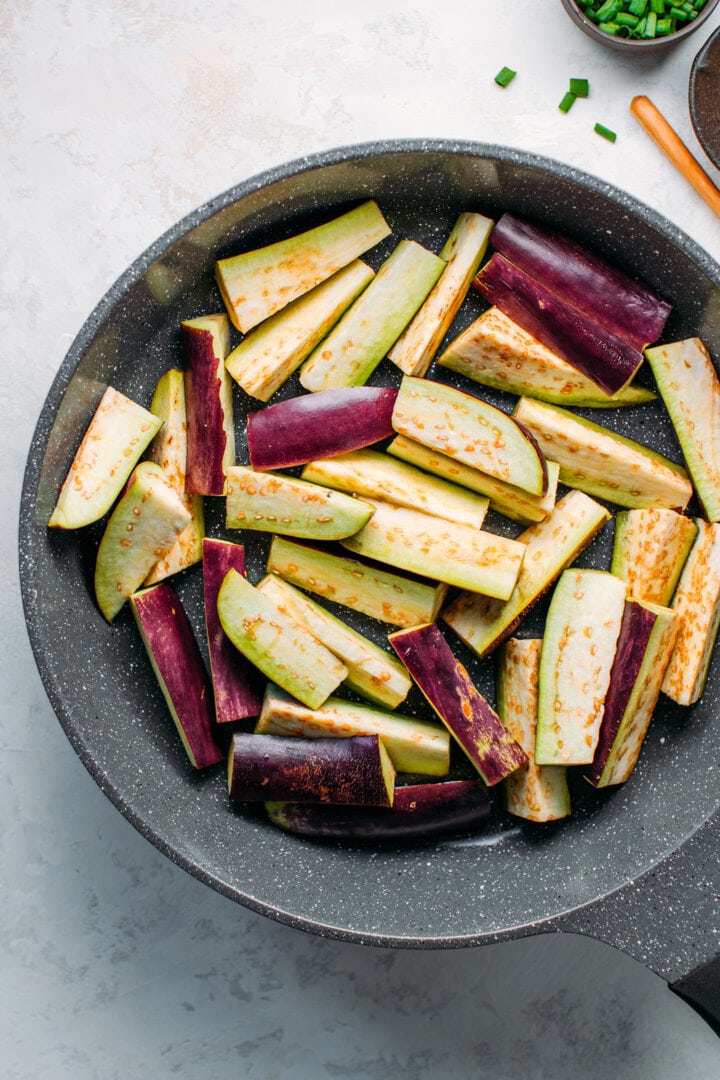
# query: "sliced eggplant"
{"type": "Point", "coordinates": [602, 463]}
{"type": "Point", "coordinates": [282, 649]}
{"type": "Point", "coordinates": [272, 502]}
{"type": "Point", "coordinates": [456, 554]}
{"type": "Point", "coordinates": [419, 811]}
{"type": "Point", "coordinates": [356, 345]}
{"type": "Point", "coordinates": [495, 351]}
{"type": "Point", "coordinates": [581, 636]}
{"type": "Point", "coordinates": [236, 682]}
{"type": "Point", "coordinates": [647, 637]}
{"type": "Point", "coordinates": [511, 501]}
{"type": "Point", "coordinates": [317, 426]}
{"type": "Point", "coordinates": [208, 400]}
{"type": "Point", "coordinates": [178, 666]}
{"type": "Point", "coordinates": [356, 771]}
{"type": "Point", "coordinates": [550, 546]}
{"type": "Point", "coordinates": [169, 450]}
{"type": "Point", "coordinates": [650, 550]}
{"type": "Point", "coordinates": [267, 357]}
{"type": "Point", "coordinates": [469, 430]}
{"type": "Point", "coordinates": [463, 252]}
{"type": "Point", "coordinates": [369, 473]}
{"type": "Point", "coordinates": [142, 528]}
{"type": "Point", "coordinates": [415, 746]}
{"type": "Point", "coordinates": [690, 388]}
{"type": "Point", "coordinates": [537, 793]}
{"type": "Point", "coordinates": [116, 437]}
{"type": "Point", "coordinates": [398, 599]}
{"type": "Point", "coordinates": [697, 603]}
{"type": "Point", "coordinates": [372, 672]}
{"type": "Point", "coordinates": [256, 284]}
{"type": "Point", "coordinates": [469, 718]}
{"type": "Point", "coordinates": [607, 360]}
{"type": "Point", "coordinates": [627, 306]}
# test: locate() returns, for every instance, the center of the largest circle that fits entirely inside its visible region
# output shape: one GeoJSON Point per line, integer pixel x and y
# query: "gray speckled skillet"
{"type": "Point", "coordinates": [636, 867]}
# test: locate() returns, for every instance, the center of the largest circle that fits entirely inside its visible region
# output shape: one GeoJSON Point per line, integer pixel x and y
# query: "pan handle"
{"type": "Point", "coordinates": [669, 920]}
{"type": "Point", "coordinates": [701, 989]}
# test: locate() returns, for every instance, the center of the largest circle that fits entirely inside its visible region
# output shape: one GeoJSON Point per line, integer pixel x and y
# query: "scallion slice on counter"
{"type": "Point", "coordinates": [567, 102]}
{"type": "Point", "coordinates": [579, 87]}
{"type": "Point", "coordinates": [505, 76]}
{"type": "Point", "coordinates": [606, 133]}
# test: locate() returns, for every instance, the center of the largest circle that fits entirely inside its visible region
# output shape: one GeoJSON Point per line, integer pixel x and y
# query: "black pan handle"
{"type": "Point", "coordinates": [669, 920]}
{"type": "Point", "coordinates": [701, 989]}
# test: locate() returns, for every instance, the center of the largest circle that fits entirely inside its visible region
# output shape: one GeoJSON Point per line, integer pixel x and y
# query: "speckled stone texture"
{"type": "Point", "coordinates": [120, 119]}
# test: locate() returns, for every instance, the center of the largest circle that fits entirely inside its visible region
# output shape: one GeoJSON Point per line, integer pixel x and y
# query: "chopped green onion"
{"type": "Point", "coordinates": [579, 87]}
{"type": "Point", "coordinates": [605, 132]}
{"type": "Point", "coordinates": [505, 76]}
{"type": "Point", "coordinates": [567, 102]}
{"type": "Point", "coordinates": [608, 10]}
{"type": "Point", "coordinates": [640, 19]}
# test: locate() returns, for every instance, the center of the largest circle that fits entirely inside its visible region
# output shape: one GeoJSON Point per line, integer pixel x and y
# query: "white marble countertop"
{"type": "Point", "coordinates": [118, 118]}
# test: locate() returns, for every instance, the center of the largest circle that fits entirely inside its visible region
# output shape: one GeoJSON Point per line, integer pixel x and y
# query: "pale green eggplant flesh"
{"type": "Point", "coordinates": [602, 463]}
{"type": "Point", "coordinates": [650, 550]}
{"type": "Point", "coordinates": [278, 646]}
{"type": "Point", "coordinates": [256, 284]}
{"type": "Point", "coordinates": [372, 672]}
{"type": "Point", "coordinates": [697, 603]}
{"type": "Point", "coordinates": [142, 528]}
{"type": "Point", "coordinates": [359, 341]}
{"type": "Point", "coordinates": [456, 554]}
{"type": "Point", "coordinates": [496, 352]}
{"type": "Point", "coordinates": [116, 437]}
{"type": "Point", "coordinates": [414, 746]}
{"type": "Point", "coordinates": [463, 252]}
{"type": "Point", "coordinates": [371, 474]}
{"type": "Point", "coordinates": [512, 502]}
{"type": "Point", "coordinates": [274, 502]}
{"type": "Point", "coordinates": [392, 598]}
{"type": "Point", "coordinates": [470, 430]}
{"type": "Point", "coordinates": [690, 389]}
{"type": "Point", "coordinates": [537, 793]}
{"type": "Point", "coordinates": [581, 635]}
{"type": "Point", "coordinates": [550, 546]}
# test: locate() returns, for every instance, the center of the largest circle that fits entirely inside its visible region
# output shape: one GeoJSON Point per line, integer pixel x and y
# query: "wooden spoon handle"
{"type": "Point", "coordinates": [671, 144]}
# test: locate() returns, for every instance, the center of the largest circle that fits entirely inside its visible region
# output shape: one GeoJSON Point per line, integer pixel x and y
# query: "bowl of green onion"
{"type": "Point", "coordinates": [639, 24]}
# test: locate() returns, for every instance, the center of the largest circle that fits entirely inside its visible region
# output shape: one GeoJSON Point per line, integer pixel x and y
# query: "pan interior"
{"type": "Point", "coordinates": [98, 677]}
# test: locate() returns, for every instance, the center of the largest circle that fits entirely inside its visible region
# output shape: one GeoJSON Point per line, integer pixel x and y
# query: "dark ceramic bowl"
{"type": "Point", "coordinates": [705, 97]}
{"type": "Point", "coordinates": [636, 866]}
{"type": "Point", "coordinates": [632, 45]}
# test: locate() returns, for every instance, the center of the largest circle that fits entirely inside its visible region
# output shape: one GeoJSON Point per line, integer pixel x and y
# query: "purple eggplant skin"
{"type": "Point", "coordinates": [316, 426]}
{"type": "Point", "coordinates": [237, 683]}
{"type": "Point", "coordinates": [625, 306]}
{"type": "Point", "coordinates": [180, 670]}
{"type": "Point", "coordinates": [351, 771]}
{"type": "Point", "coordinates": [205, 473]}
{"type": "Point", "coordinates": [419, 812]}
{"type": "Point", "coordinates": [468, 716]}
{"type": "Point", "coordinates": [635, 630]}
{"type": "Point", "coordinates": [590, 347]}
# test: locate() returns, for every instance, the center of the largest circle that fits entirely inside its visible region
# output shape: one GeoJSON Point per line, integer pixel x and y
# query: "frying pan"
{"type": "Point", "coordinates": [636, 867]}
